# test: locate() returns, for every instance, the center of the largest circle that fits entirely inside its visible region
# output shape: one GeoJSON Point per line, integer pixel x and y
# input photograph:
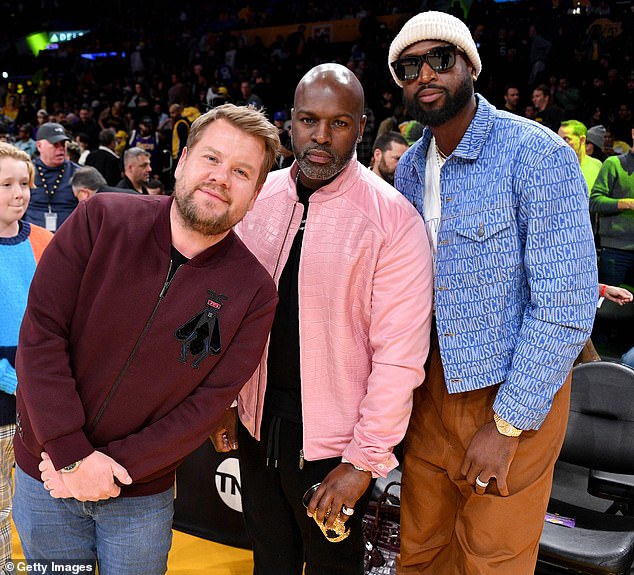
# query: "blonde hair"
{"type": "Point", "coordinates": [248, 119]}
{"type": "Point", "coordinates": [10, 151]}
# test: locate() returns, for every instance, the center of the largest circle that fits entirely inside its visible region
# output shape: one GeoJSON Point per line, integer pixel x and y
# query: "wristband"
{"type": "Point", "coordinates": [603, 289]}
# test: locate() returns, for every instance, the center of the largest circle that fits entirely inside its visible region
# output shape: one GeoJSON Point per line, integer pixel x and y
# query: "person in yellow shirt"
{"type": "Point", "coordinates": [575, 134]}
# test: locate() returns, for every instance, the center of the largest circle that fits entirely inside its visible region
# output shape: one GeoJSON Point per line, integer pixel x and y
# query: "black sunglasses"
{"type": "Point", "coordinates": [439, 59]}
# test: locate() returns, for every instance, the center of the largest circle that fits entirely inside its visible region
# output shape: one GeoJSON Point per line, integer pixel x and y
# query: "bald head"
{"type": "Point", "coordinates": [327, 123]}
{"type": "Point", "coordinates": [333, 77]}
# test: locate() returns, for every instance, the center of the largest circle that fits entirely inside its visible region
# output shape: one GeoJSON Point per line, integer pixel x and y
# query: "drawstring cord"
{"type": "Point", "coordinates": [273, 441]}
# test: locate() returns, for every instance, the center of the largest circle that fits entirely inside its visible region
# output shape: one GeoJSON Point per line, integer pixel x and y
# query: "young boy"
{"type": "Point", "coordinates": [21, 245]}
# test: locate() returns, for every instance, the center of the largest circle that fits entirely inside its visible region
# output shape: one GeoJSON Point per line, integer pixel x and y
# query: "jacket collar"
{"type": "Point", "coordinates": [478, 131]}
{"type": "Point", "coordinates": [473, 140]}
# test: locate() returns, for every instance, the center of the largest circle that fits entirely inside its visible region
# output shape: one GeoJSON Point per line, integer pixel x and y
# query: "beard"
{"type": "Point", "coordinates": [196, 221]}
{"type": "Point", "coordinates": [322, 172]}
{"type": "Point", "coordinates": [454, 104]}
{"type": "Point", "coordinates": [385, 174]}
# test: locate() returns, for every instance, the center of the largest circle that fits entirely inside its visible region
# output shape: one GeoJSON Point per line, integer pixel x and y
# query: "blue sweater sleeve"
{"type": "Point", "coordinates": [8, 378]}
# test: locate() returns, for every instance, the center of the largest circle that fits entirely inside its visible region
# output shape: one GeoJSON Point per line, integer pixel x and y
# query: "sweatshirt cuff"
{"type": "Point", "coordinates": [67, 449]}
{"type": "Point", "coordinates": [8, 378]}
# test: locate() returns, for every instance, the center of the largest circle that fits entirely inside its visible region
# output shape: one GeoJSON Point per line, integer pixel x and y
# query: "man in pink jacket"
{"type": "Point", "coordinates": [333, 393]}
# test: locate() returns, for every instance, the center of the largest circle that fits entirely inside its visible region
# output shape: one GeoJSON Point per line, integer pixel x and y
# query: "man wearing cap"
{"type": "Point", "coordinates": [506, 210]}
{"type": "Point", "coordinates": [595, 140]}
{"type": "Point", "coordinates": [52, 199]}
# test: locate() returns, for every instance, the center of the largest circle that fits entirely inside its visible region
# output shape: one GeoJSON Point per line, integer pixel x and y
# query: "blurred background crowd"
{"type": "Point", "coordinates": [141, 66]}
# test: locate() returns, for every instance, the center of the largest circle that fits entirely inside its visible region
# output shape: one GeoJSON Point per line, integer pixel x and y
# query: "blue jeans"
{"type": "Point", "coordinates": [628, 357]}
{"type": "Point", "coordinates": [123, 535]}
{"type": "Point", "coordinates": [616, 267]}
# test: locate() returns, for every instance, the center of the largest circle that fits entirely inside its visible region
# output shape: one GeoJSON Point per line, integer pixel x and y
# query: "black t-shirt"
{"type": "Point", "coordinates": [178, 260]}
{"type": "Point", "coordinates": [283, 391]}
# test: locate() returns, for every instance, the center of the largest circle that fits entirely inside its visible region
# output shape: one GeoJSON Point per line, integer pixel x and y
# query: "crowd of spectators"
{"type": "Point", "coordinates": [197, 56]}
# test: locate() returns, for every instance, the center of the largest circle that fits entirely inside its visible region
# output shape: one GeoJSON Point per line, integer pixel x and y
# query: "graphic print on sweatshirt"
{"type": "Point", "coordinates": [201, 334]}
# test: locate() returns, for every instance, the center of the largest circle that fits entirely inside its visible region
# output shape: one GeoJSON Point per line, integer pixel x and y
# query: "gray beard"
{"type": "Point", "coordinates": [322, 173]}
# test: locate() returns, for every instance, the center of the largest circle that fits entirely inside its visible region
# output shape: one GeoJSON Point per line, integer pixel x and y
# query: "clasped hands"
{"type": "Point", "coordinates": [97, 478]}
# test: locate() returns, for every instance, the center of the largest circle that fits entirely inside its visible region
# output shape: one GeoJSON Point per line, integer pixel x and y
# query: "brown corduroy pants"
{"type": "Point", "coordinates": [446, 528]}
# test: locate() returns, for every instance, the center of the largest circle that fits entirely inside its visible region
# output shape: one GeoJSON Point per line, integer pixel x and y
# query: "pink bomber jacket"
{"type": "Point", "coordinates": [365, 299]}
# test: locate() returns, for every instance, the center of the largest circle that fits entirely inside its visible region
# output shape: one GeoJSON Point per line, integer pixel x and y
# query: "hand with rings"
{"type": "Point", "coordinates": [480, 486]}
{"type": "Point", "coordinates": [338, 531]}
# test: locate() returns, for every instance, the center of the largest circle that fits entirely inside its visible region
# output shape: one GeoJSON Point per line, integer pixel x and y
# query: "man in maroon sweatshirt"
{"type": "Point", "coordinates": [145, 318]}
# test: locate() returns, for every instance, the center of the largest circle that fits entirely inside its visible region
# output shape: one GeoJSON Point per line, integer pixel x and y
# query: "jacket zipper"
{"type": "Point", "coordinates": [277, 263]}
{"type": "Point", "coordinates": [288, 229]}
{"type": "Point", "coordinates": [146, 327]}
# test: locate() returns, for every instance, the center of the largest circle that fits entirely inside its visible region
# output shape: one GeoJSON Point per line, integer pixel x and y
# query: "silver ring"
{"type": "Point", "coordinates": [349, 511]}
{"type": "Point", "coordinates": [480, 483]}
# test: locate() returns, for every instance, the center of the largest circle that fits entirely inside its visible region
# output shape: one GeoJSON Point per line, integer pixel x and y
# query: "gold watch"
{"type": "Point", "coordinates": [505, 428]}
{"type": "Point", "coordinates": [72, 467]}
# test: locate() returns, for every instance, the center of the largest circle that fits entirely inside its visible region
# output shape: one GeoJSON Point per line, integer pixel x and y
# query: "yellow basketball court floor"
{"type": "Point", "coordinates": [192, 556]}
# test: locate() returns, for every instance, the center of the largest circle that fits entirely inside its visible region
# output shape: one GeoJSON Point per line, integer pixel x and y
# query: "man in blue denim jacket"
{"type": "Point", "coordinates": [515, 289]}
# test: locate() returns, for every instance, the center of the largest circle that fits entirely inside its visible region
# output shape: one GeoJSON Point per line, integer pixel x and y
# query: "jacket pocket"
{"type": "Point", "coordinates": [482, 226]}
{"type": "Point", "coordinates": [487, 248]}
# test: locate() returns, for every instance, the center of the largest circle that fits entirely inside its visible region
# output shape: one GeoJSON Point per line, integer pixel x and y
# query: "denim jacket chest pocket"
{"type": "Point", "coordinates": [481, 227]}
{"type": "Point", "coordinates": [487, 245]}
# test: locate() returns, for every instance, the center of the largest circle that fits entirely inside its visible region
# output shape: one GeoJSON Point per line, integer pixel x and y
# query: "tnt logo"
{"type": "Point", "coordinates": [228, 483]}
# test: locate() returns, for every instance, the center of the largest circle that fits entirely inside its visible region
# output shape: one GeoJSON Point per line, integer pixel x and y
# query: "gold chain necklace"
{"type": "Point", "coordinates": [440, 157]}
{"type": "Point", "coordinates": [50, 193]}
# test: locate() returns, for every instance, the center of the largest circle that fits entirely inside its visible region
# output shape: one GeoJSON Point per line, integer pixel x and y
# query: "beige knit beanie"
{"type": "Point", "coordinates": [434, 26]}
